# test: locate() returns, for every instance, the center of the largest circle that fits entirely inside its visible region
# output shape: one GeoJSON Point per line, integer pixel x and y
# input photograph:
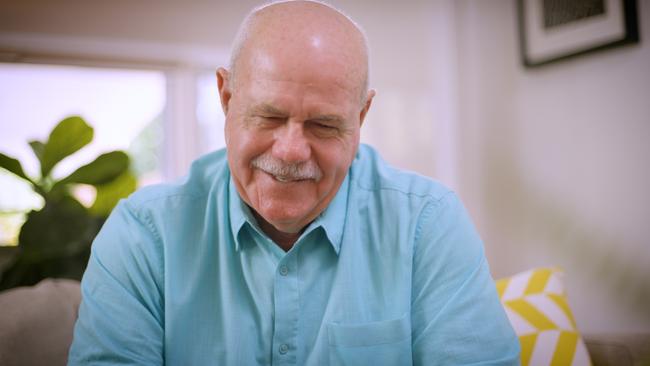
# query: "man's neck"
{"type": "Point", "coordinates": [282, 239]}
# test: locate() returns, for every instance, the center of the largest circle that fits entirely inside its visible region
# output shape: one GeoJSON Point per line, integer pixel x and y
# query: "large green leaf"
{"type": "Point", "coordinates": [37, 148]}
{"type": "Point", "coordinates": [66, 138]}
{"type": "Point", "coordinates": [110, 193]}
{"type": "Point", "coordinates": [13, 166]}
{"type": "Point", "coordinates": [101, 170]}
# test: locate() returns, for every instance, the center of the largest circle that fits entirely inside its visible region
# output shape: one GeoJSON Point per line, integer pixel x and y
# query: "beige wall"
{"type": "Point", "coordinates": [555, 163]}
{"type": "Point", "coordinates": [552, 162]}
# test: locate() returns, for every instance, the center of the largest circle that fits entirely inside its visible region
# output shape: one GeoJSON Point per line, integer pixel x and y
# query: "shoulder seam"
{"type": "Point", "coordinates": [427, 209]}
{"type": "Point", "coordinates": [162, 196]}
{"type": "Point", "coordinates": [435, 198]}
{"type": "Point", "coordinates": [145, 220]}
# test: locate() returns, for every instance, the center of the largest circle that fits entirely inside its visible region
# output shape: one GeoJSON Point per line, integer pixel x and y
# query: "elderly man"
{"type": "Point", "coordinates": [295, 245]}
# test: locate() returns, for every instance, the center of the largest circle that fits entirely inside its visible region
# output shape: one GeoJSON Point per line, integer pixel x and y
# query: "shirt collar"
{"type": "Point", "coordinates": [332, 220]}
{"type": "Point", "coordinates": [239, 212]}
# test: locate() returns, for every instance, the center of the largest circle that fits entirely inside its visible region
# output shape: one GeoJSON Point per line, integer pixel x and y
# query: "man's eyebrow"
{"type": "Point", "coordinates": [267, 109]}
{"type": "Point", "coordinates": [327, 118]}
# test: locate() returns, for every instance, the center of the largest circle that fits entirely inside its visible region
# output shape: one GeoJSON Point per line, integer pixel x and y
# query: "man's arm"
{"type": "Point", "coordinates": [457, 318]}
{"type": "Point", "coordinates": [121, 318]}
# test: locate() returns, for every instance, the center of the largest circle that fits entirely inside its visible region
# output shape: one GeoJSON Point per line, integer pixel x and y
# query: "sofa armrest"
{"type": "Point", "coordinates": [36, 323]}
{"type": "Point", "coordinates": [618, 349]}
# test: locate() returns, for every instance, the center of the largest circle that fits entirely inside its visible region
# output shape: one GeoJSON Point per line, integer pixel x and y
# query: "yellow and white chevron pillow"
{"type": "Point", "coordinates": [536, 304]}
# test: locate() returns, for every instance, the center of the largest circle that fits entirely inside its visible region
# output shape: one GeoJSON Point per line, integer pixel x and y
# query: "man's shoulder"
{"type": "Point", "coordinates": [371, 173]}
{"type": "Point", "coordinates": [206, 173]}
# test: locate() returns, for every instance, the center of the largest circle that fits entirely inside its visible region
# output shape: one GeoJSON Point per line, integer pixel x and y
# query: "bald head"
{"type": "Point", "coordinates": [301, 33]}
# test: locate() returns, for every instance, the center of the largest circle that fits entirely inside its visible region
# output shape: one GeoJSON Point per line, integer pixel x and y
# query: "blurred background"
{"type": "Point", "coordinates": [551, 162]}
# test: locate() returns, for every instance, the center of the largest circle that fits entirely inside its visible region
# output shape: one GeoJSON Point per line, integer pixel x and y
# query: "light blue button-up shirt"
{"type": "Point", "coordinates": [391, 273]}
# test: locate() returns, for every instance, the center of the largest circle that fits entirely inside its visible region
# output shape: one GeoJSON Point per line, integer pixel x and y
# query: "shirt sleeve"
{"type": "Point", "coordinates": [456, 316]}
{"type": "Point", "coordinates": [121, 313]}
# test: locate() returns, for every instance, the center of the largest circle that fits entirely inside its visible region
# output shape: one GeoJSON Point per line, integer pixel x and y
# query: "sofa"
{"type": "Point", "coordinates": [36, 323]}
{"type": "Point", "coordinates": [36, 326]}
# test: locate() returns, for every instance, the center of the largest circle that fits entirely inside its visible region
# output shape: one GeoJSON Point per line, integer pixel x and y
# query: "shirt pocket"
{"type": "Point", "coordinates": [386, 342]}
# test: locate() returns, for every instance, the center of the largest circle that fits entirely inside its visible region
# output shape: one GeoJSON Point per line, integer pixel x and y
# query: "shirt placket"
{"type": "Point", "coordinates": [286, 311]}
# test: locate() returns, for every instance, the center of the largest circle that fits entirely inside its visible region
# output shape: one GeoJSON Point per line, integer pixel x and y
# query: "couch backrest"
{"type": "Point", "coordinates": [36, 323]}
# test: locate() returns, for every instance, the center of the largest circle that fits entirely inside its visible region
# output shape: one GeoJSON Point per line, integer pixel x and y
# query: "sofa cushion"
{"type": "Point", "coordinates": [36, 323]}
{"type": "Point", "coordinates": [536, 304]}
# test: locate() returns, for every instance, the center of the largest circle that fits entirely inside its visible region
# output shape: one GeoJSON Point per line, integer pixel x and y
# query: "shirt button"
{"type": "Point", "coordinates": [284, 270]}
{"type": "Point", "coordinates": [283, 348]}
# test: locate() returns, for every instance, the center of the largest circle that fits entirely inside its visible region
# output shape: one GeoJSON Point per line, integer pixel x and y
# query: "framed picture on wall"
{"type": "Point", "coordinates": [552, 30]}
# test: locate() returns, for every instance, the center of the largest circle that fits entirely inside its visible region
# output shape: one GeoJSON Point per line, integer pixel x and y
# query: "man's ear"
{"type": "Point", "coordinates": [366, 107]}
{"type": "Point", "coordinates": [225, 92]}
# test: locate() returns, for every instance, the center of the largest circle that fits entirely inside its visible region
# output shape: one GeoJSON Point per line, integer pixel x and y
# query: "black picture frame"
{"type": "Point", "coordinates": [558, 39]}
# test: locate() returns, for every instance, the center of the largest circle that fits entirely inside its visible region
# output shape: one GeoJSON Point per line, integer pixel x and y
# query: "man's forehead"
{"type": "Point", "coordinates": [290, 84]}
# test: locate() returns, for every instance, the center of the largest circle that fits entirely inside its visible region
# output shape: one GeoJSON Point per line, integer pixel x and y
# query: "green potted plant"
{"type": "Point", "coordinates": [54, 241]}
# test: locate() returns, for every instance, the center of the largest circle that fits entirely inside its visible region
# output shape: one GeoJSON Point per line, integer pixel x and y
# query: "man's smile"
{"type": "Point", "coordinates": [284, 178]}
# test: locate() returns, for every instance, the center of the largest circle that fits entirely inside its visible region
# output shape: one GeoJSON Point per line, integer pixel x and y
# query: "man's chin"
{"type": "Point", "coordinates": [285, 222]}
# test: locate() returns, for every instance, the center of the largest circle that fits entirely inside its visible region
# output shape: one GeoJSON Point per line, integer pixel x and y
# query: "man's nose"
{"type": "Point", "coordinates": [291, 145]}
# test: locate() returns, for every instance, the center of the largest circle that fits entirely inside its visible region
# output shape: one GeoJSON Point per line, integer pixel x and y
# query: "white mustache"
{"type": "Point", "coordinates": [286, 172]}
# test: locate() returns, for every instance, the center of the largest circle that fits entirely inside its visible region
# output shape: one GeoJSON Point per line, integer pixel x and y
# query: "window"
{"type": "Point", "coordinates": [125, 107]}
